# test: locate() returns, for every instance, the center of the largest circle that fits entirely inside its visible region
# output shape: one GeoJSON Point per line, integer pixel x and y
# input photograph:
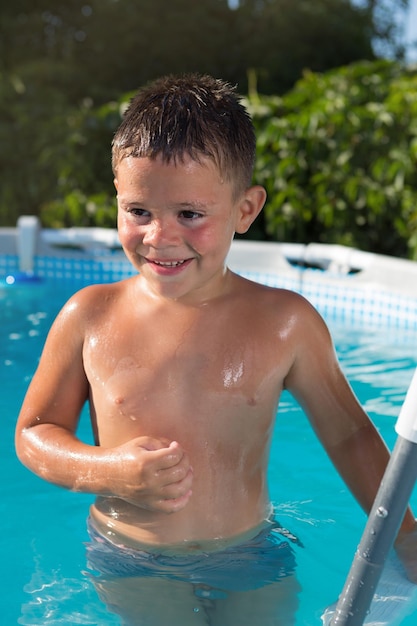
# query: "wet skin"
{"type": "Point", "coordinates": [183, 366]}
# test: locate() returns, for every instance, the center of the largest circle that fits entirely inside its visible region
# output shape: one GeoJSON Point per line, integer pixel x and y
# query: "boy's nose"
{"type": "Point", "coordinates": [160, 233]}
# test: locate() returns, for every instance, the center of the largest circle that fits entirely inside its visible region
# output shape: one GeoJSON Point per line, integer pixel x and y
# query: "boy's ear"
{"type": "Point", "coordinates": [115, 183]}
{"type": "Point", "coordinates": [250, 205]}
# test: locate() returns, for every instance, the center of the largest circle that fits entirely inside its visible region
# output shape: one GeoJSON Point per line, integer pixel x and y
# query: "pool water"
{"type": "Point", "coordinates": [44, 527]}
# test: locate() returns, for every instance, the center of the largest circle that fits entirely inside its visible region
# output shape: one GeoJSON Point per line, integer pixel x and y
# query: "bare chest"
{"type": "Point", "coordinates": [162, 381]}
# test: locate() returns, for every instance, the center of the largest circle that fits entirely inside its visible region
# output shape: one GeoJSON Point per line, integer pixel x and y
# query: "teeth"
{"type": "Point", "coordinates": [169, 263]}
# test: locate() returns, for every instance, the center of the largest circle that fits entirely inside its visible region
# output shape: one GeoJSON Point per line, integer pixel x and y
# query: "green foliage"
{"type": "Point", "coordinates": [84, 194]}
{"type": "Point", "coordinates": [61, 61]}
{"type": "Point", "coordinates": [338, 157]}
{"type": "Point", "coordinates": [77, 208]}
{"type": "Point", "coordinates": [33, 136]}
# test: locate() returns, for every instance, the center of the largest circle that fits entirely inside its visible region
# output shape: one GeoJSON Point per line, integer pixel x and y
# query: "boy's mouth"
{"type": "Point", "coordinates": [168, 263]}
{"type": "Point", "coordinates": [168, 266]}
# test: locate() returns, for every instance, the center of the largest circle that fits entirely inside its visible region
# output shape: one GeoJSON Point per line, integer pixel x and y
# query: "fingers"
{"type": "Point", "coordinates": [177, 488]}
{"type": "Point", "coordinates": [165, 476]}
{"type": "Point", "coordinates": [175, 477]}
{"type": "Point", "coordinates": [174, 474]}
{"type": "Point", "coordinates": [173, 505]}
{"type": "Point", "coordinates": [165, 457]}
{"type": "Point", "coordinates": [151, 443]}
{"type": "Point", "coordinates": [170, 456]}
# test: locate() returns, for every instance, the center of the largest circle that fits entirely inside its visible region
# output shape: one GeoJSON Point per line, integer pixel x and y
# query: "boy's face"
{"type": "Point", "coordinates": [176, 223]}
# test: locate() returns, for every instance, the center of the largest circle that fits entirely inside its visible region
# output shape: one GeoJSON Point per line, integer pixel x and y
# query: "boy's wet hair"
{"type": "Point", "coordinates": [192, 115]}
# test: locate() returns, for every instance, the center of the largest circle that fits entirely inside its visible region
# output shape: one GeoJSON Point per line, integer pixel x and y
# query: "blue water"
{"type": "Point", "coordinates": [44, 527]}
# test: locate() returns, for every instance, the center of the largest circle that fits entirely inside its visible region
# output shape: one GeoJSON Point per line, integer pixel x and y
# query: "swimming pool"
{"type": "Point", "coordinates": [44, 527]}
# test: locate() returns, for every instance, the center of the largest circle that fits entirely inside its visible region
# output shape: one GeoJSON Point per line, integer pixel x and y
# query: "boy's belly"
{"type": "Point", "coordinates": [192, 529]}
{"type": "Point", "coordinates": [228, 499]}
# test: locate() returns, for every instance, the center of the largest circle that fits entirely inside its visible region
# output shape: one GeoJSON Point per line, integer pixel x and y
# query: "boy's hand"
{"type": "Point", "coordinates": [152, 474]}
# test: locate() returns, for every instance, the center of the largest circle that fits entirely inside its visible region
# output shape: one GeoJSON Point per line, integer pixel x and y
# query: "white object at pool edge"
{"type": "Point", "coordinates": [406, 425]}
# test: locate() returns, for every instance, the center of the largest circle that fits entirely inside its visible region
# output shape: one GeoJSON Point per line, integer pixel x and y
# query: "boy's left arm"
{"type": "Point", "coordinates": [346, 432]}
{"type": "Point", "coordinates": [361, 460]}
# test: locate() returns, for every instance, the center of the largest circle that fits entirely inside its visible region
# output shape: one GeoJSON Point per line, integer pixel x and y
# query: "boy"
{"type": "Point", "coordinates": [183, 366]}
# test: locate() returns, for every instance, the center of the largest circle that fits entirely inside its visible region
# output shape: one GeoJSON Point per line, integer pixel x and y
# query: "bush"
{"type": "Point", "coordinates": [84, 193]}
{"type": "Point", "coordinates": [338, 157]}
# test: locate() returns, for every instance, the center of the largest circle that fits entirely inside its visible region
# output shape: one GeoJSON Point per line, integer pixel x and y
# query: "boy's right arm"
{"type": "Point", "coordinates": [147, 472]}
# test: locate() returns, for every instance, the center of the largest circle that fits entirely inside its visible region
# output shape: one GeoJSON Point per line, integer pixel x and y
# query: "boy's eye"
{"type": "Point", "coordinates": [138, 212]}
{"type": "Point", "coordinates": [190, 215]}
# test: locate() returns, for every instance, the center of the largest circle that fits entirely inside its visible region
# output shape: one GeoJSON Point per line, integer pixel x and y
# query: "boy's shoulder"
{"type": "Point", "coordinates": [94, 299]}
{"type": "Point", "coordinates": [275, 304]}
{"type": "Point", "coordinates": [273, 295]}
{"type": "Point", "coordinates": [98, 290]}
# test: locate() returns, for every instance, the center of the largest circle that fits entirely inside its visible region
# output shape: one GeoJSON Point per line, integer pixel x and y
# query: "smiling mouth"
{"type": "Point", "coordinates": [168, 263]}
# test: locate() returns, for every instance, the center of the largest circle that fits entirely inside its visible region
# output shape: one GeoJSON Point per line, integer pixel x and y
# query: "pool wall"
{"type": "Point", "coordinates": [359, 286]}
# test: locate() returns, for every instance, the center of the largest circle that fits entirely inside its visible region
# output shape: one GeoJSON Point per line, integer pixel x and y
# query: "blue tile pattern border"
{"type": "Point", "coordinates": [340, 299]}
{"type": "Point", "coordinates": [80, 272]}
{"type": "Point", "coordinates": [350, 303]}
